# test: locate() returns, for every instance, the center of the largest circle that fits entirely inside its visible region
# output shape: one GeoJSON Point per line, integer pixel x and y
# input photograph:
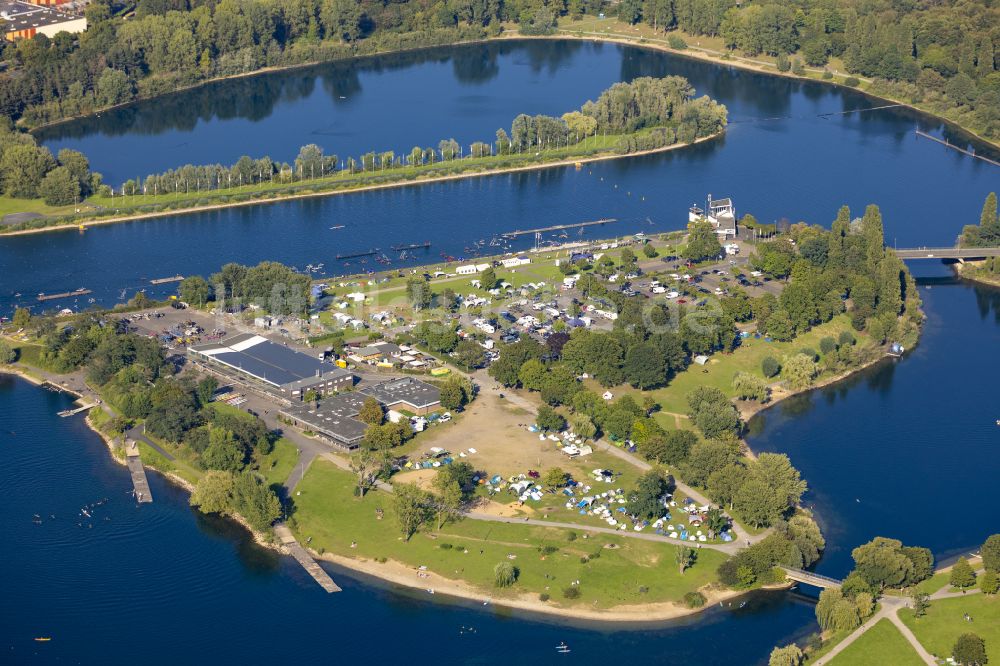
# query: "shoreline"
{"type": "Point", "coordinates": [962, 272]}
{"type": "Point", "coordinates": [561, 163]}
{"type": "Point", "coordinates": [563, 32]}
{"type": "Point", "coordinates": [749, 410]}
{"type": "Point", "coordinates": [396, 573]}
{"type": "Point", "coordinates": [740, 62]}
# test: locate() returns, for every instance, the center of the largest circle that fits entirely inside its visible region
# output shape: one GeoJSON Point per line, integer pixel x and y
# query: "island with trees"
{"type": "Point", "coordinates": [642, 116]}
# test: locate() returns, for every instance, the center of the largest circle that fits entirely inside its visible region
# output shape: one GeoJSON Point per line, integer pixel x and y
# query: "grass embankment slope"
{"type": "Point", "coordinates": [882, 644]}
{"type": "Point", "coordinates": [612, 570]}
{"type": "Point", "coordinates": [107, 210]}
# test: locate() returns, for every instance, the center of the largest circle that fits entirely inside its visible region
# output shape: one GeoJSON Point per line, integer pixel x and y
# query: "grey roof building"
{"type": "Point", "coordinates": [274, 368]}
{"type": "Point", "coordinates": [334, 419]}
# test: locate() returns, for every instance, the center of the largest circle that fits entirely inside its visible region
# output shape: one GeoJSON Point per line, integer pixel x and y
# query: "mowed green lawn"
{"type": "Point", "coordinates": [276, 466]}
{"type": "Point", "coordinates": [882, 644]}
{"type": "Point", "coordinates": [945, 622]}
{"type": "Point", "coordinates": [327, 511]}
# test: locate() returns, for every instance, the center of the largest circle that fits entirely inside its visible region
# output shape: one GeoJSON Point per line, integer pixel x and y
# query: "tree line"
{"type": "Point", "coordinates": [666, 106]}
{"type": "Point", "coordinates": [132, 374]}
{"type": "Point", "coordinates": [944, 55]}
{"type": "Point", "coordinates": [29, 171]}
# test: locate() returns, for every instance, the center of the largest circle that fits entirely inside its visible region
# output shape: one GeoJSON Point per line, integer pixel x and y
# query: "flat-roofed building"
{"type": "Point", "coordinates": [335, 418]}
{"type": "Point", "coordinates": [24, 20]}
{"type": "Point", "coordinates": [332, 420]}
{"type": "Point", "coordinates": [406, 393]}
{"type": "Point", "coordinates": [279, 370]}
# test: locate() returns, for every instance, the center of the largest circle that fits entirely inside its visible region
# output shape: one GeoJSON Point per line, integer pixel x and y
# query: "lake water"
{"type": "Point", "coordinates": [902, 450]}
{"type": "Point", "coordinates": [161, 584]}
{"type": "Point", "coordinates": [781, 158]}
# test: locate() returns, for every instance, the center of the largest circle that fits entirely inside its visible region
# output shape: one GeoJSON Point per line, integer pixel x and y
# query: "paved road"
{"type": "Point", "coordinates": [728, 548]}
{"type": "Point", "coordinates": [138, 433]}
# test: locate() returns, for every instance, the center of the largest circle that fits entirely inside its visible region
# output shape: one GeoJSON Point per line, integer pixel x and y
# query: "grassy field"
{"type": "Point", "coordinates": [328, 512]}
{"type": "Point", "coordinates": [882, 644]}
{"type": "Point", "coordinates": [945, 622]}
{"type": "Point", "coordinates": [9, 205]}
{"type": "Point", "coordinates": [277, 465]}
{"type": "Point", "coordinates": [31, 355]}
{"type": "Point", "coordinates": [721, 368]}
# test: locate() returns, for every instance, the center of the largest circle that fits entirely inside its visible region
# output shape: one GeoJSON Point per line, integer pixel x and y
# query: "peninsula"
{"type": "Point", "coordinates": [557, 431]}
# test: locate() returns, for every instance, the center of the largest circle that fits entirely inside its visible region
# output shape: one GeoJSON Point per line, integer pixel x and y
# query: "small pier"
{"type": "Point", "coordinates": [557, 227]}
{"type": "Point", "coordinates": [73, 412]}
{"type": "Point", "coordinates": [64, 294]}
{"type": "Point", "coordinates": [139, 482]}
{"type": "Point", "coordinates": [308, 563]}
{"type": "Point", "coordinates": [964, 151]}
{"type": "Point", "coordinates": [366, 253]}
{"type": "Point", "coordinates": [176, 278]}
{"type": "Point", "coordinates": [411, 246]}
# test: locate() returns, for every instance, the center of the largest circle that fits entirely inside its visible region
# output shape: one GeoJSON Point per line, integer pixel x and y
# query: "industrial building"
{"type": "Point", "coordinates": [334, 419]}
{"type": "Point", "coordinates": [24, 20]}
{"type": "Point", "coordinates": [270, 367]}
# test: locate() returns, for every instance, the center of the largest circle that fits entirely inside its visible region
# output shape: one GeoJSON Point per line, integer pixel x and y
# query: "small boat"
{"type": "Point", "coordinates": [562, 648]}
{"type": "Point", "coordinates": [43, 639]}
{"type": "Point", "coordinates": [337, 226]}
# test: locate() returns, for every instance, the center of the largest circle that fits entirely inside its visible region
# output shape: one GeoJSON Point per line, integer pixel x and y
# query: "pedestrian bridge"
{"type": "Point", "coordinates": [960, 253]}
{"type": "Point", "coordinates": [810, 578]}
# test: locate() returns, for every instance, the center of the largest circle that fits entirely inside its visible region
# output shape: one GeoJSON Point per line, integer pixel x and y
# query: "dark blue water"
{"type": "Point", "coordinates": [906, 449]}
{"type": "Point", "coordinates": [159, 584]}
{"type": "Point", "coordinates": [780, 158]}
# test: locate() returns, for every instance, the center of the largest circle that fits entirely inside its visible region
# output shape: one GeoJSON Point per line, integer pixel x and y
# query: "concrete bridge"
{"type": "Point", "coordinates": [956, 253]}
{"type": "Point", "coordinates": [810, 578]}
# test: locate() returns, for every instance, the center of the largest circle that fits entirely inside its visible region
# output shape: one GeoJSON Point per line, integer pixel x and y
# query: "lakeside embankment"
{"type": "Point", "coordinates": [403, 575]}
{"type": "Point", "coordinates": [567, 31]}
{"type": "Point", "coordinates": [760, 67]}
{"type": "Point", "coordinates": [75, 223]}
{"type": "Point", "coordinates": [974, 272]}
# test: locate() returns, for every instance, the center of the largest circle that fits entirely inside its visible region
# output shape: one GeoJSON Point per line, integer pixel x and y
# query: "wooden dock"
{"type": "Point", "coordinates": [139, 482]}
{"type": "Point", "coordinates": [72, 412]}
{"type": "Point", "coordinates": [64, 294]}
{"type": "Point", "coordinates": [944, 142]}
{"type": "Point", "coordinates": [176, 278]}
{"type": "Point", "coordinates": [308, 563]}
{"type": "Point", "coordinates": [556, 227]}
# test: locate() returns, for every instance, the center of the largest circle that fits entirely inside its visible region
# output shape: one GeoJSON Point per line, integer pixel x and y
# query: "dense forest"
{"type": "Point", "coordinates": [942, 55]}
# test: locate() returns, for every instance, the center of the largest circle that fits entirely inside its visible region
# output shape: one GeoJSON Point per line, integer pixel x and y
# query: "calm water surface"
{"type": "Point", "coordinates": [161, 584]}
{"type": "Point", "coordinates": [781, 157]}
{"type": "Point", "coordinates": [875, 450]}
